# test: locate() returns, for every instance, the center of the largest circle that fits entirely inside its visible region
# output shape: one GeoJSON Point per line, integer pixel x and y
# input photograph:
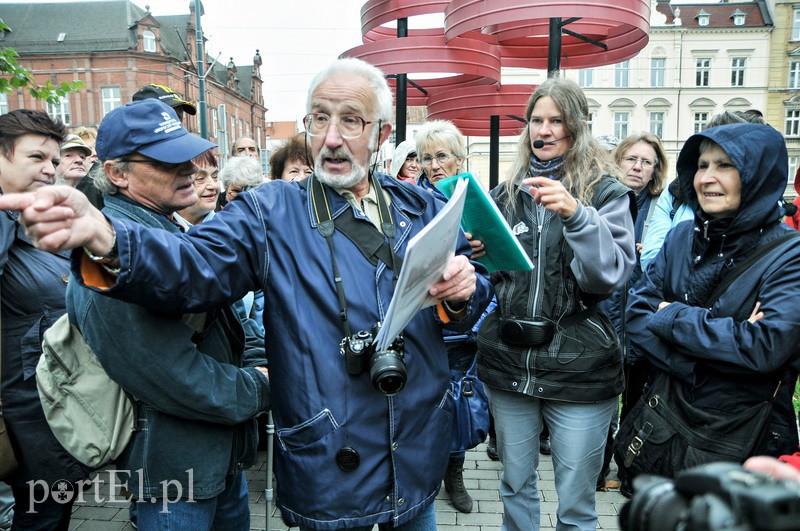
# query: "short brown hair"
{"type": "Point", "coordinates": [293, 149]}
{"type": "Point", "coordinates": [28, 122]}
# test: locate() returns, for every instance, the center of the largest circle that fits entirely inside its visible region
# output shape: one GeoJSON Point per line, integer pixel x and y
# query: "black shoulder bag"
{"type": "Point", "coordinates": [664, 434]}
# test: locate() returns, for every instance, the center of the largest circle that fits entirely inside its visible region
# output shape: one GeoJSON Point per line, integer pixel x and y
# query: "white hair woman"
{"type": "Point", "coordinates": [239, 175]}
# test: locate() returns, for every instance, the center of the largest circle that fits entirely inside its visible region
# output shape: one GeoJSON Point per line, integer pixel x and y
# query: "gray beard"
{"type": "Point", "coordinates": [341, 182]}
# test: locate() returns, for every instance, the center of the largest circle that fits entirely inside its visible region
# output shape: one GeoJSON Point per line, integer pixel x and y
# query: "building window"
{"type": "Point", "coordinates": [700, 121]}
{"type": "Point", "coordinates": [737, 71]}
{"type": "Point", "coordinates": [3, 103]}
{"type": "Point", "coordinates": [657, 123]}
{"type": "Point", "coordinates": [796, 25]}
{"type": "Point", "coordinates": [59, 110]}
{"type": "Point", "coordinates": [702, 20]}
{"type": "Point", "coordinates": [794, 160]}
{"type": "Point", "coordinates": [657, 67]}
{"type": "Point", "coordinates": [792, 122]}
{"type": "Point", "coordinates": [621, 75]}
{"type": "Point", "coordinates": [149, 41]}
{"type": "Point", "coordinates": [111, 99]}
{"type": "Point", "coordinates": [703, 71]}
{"type": "Point", "coordinates": [620, 124]}
{"type": "Point", "coordinates": [794, 74]}
{"type": "Point", "coordinates": [590, 121]}
{"type": "Point", "coordinates": [738, 18]}
{"type": "Point", "coordinates": [585, 77]}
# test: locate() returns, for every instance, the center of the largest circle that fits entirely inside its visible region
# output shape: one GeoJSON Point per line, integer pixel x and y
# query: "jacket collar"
{"type": "Point", "coordinates": [405, 198]}
{"type": "Point", "coordinates": [118, 205]}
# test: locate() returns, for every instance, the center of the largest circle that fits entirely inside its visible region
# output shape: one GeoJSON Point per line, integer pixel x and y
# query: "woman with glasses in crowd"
{"type": "Point", "coordinates": [441, 148]}
{"type": "Point", "coordinates": [32, 289]}
{"type": "Point", "coordinates": [547, 352]}
{"type": "Point", "coordinates": [643, 164]}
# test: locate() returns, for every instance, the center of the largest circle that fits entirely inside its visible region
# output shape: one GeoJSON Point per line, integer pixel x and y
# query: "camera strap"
{"type": "Point", "coordinates": [364, 235]}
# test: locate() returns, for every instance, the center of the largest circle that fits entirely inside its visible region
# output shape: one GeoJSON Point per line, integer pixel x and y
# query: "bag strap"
{"type": "Point", "coordinates": [745, 264]}
{"type": "Point", "coordinates": [651, 208]}
{"type": "Point", "coordinates": [364, 235]}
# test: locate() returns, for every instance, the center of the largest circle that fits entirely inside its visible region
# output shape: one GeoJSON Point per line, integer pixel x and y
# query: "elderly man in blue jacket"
{"type": "Point", "coordinates": [348, 455]}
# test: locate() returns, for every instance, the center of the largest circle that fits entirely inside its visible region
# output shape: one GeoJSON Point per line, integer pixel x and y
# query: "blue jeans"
{"type": "Point", "coordinates": [577, 439]}
{"type": "Point", "coordinates": [229, 510]}
{"type": "Point", "coordinates": [425, 521]}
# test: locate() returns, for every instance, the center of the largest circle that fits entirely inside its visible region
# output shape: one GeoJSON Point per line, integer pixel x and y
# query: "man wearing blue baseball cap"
{"type": "Point", "coordinates": [197, 385]}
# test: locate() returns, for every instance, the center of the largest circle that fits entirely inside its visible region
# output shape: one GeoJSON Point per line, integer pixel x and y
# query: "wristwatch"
{"type": "Point", "coordinates": [108, 258]}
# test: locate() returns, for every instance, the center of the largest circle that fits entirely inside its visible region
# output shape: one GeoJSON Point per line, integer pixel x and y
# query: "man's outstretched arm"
{"type": "Point", "coordinates": [57, 218]}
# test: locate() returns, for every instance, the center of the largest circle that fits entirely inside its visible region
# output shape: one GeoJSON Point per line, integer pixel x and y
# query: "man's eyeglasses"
{"type": "Point", "coordinates": [157, 164]}
{"type": "Point", "coordinates": [350, 126]}
{"type": "Point", "coordinates": [441, 157]}
{"type": "Point", "coordinates": [646, 163]}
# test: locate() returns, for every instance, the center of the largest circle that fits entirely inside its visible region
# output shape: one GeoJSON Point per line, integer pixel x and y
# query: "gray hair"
{"type": "Point", "coordinates": [243, 171]}
{"type": "Point", "coordinates": [101, 180]}
{"type": "Point", "coordinates": [441, 132]}
{"type": "Point", "coordinates": [372, 74]}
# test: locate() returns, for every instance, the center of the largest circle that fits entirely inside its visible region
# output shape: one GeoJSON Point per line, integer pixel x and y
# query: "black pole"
{"type": "Point", "coordinates": [554, 48]}
{"type": "Point", "coordinates": [494, 152]}
{"type": "Point", "coordinates": [402, 94]}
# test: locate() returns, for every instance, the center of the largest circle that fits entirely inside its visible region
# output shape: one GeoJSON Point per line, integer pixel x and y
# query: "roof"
{"type": "Point", "coordinates": [170, 42]}
{"type": "Point", "coordinates": [107, 25]}
{"type": "Point", "coordinates": [721, 15]}
{"type": "Point", "coordinates": [99, 26]}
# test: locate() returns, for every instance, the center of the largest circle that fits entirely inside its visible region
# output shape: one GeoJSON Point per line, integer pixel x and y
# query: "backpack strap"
{"type": "Point", "coordinates": [745, 264]}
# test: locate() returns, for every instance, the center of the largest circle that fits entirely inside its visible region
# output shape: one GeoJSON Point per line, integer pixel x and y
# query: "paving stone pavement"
{"type": "Point", "coordinates": [481, 477]}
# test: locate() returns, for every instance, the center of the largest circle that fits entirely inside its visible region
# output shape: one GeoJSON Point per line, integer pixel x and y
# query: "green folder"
{"type": "Point", "coordinates": [484, 221]}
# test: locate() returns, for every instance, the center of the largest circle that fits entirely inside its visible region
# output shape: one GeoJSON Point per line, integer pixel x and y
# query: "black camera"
{"type": "Point", "coordinates": [387, 368]}
{"type": "Point", "coordinates": [711, 497]}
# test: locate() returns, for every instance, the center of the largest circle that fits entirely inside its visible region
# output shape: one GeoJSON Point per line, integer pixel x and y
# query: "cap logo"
{"type": "Point", "coordinates": [168, 125]}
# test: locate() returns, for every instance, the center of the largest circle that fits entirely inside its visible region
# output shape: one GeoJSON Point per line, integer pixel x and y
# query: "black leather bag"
{"type": "Point", "coordinates": [664, 434]}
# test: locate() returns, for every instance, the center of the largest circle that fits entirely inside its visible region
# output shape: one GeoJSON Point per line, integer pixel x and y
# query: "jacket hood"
{"type": "Point", "coordinates": [399, 157]}
{"type": "Point", "coordinates": [759, 153]}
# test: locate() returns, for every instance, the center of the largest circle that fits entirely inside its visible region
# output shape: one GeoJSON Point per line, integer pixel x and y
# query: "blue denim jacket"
{"type": "Point", "coordinates": [197, 393]}
{"type": "Point", "coordinates": [267, 239]}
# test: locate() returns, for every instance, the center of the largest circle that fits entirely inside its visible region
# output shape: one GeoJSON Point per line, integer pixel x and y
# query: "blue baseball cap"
{"type": "Point", "coordinates": [151, 128]}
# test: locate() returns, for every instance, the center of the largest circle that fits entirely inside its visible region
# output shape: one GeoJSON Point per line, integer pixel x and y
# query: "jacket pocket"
{"type": "Point", "coordinates": [308, 432]}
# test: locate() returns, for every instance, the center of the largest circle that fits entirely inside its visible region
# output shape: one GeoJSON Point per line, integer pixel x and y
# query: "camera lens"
{"type": "Point", "coordinates": [656, 506]}
{"type": "Point", "coordinates": [388, 372]}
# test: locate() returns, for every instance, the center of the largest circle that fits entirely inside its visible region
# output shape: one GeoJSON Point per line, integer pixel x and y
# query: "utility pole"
{"type": "Point", "coordinates": [198, 11]}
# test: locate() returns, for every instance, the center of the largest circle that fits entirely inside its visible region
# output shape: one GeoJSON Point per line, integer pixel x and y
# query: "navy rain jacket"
{"type": "Point", "coordinates": [726, 363]}
{"type": "Point", "coordinates": [267, 239]}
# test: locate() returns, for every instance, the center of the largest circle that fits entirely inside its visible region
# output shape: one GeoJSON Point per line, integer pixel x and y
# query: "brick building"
{"type": "Point", "coordinates": [115, 47]}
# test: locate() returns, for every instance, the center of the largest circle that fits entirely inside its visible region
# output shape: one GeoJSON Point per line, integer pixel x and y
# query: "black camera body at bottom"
{"type": "Point", "coordinates": [714, 496]}
{"type": "Point", "coordinates": [387, 368]}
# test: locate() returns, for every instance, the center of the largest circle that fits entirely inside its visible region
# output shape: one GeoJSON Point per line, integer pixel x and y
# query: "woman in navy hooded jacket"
{"type": "Point", "coordinates": [729, 357]}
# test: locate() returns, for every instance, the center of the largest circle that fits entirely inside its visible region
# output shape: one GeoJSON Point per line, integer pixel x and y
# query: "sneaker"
{"type": "Point", "coordinates": [491, 449]}
{"type": "Point", "coordinates": [544, 446]}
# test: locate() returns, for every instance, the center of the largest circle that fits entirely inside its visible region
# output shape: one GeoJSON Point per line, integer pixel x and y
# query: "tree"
{"type": "Point", "coordinates": [15, 76]}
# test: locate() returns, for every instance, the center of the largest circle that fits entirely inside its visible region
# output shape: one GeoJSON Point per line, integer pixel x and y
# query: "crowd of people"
{"type": "Point", "coordinates": [211, 296]}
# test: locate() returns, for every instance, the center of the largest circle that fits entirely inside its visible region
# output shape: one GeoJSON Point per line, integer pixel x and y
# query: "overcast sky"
{"type": "Point", "coordinates": [296, 39]}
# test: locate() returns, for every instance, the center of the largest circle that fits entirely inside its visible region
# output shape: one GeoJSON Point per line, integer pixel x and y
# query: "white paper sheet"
{"type": "Point", "coordinates": [427, 256]}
